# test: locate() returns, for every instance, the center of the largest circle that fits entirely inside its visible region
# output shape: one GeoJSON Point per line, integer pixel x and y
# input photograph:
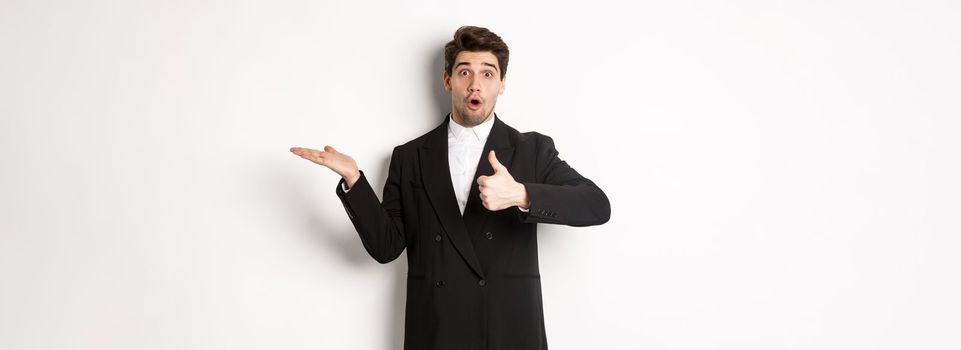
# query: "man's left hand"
{"type": "Point", "coordinates": [500, 191]}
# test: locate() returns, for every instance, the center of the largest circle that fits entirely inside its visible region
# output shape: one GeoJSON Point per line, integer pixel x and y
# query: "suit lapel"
{"type": "Point", "coordinates": [435, 171]}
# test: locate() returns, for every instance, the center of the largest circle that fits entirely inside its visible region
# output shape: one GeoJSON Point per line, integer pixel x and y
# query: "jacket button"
{"type": "Point", "coordinates": [482, 283]}
{"type": "Point", "coordinates": [437, 238]}
{"type": "Point", "coordinates": [440, 284]}
{"type": "Point", "coordinates": [489, 235]}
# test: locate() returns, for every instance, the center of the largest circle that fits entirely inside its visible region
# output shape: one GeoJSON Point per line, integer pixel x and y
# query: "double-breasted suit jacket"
{"type": "Point", "coordinates": [473, 281]}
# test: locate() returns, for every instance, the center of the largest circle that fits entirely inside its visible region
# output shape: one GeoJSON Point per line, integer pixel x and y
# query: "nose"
{"type": "Point", "coordinates": [474, 86]}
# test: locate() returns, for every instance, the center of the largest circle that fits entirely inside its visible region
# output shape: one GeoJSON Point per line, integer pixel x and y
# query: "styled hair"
{"type": "Point", "coordinates": [476, 39]}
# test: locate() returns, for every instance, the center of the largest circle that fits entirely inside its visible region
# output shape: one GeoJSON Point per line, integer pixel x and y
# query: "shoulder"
{"type": "Point", "coordinates": [536, 141]}
{"type": "Point", "coordinates": [410, 147]}
{"type": "Point", "coordinates": [536, 138]}
{"type": "Point", "coordinates": [528, 139]}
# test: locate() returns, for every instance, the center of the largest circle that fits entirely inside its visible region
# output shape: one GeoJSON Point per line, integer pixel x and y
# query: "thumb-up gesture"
{"type": "Point", "coordinates": [500, 191]}
{"type": "Point", "coordinates": [340, 163]}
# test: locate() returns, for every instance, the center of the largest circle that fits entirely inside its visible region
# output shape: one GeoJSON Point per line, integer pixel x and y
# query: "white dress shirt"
{"type": "Point", "coordinates": [464, 148]}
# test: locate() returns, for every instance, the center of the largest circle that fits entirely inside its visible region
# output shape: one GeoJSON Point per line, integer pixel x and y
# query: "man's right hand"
{"type": "Point", "coordinates": [340, 163]}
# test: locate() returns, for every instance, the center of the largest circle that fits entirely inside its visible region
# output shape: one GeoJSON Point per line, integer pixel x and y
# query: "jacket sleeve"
{"type": "Point", "coordinates": [379, 224]}
{"type": "Point", "coordinates": [561, 195]}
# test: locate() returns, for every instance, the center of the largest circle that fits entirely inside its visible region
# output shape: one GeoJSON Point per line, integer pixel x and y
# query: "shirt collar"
{"type": "Point", "coordinates": [480, 132]}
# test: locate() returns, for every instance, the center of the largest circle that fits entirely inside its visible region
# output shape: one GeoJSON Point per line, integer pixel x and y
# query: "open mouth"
{"type": "Point", "coordinates": [474, 103]}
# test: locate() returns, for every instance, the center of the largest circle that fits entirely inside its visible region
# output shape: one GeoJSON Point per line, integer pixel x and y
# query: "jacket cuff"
{"type": "Point", "coordinates": [349, 195]}
{"type": "Point", "coordinates": [537, 211]}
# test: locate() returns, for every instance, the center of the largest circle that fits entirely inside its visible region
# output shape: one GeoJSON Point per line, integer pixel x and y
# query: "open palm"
{"type": "Point", "coordinates": [340, 163]}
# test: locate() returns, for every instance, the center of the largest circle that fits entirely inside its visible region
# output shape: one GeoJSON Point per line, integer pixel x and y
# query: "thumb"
{"type": "Point", "coordinates": [329, 149]}
{"type": "Point", "coordinates": [498, 167]}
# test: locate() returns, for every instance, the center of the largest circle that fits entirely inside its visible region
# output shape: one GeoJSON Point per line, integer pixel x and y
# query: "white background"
{"type": "Point", "coordinates": [783, 175]}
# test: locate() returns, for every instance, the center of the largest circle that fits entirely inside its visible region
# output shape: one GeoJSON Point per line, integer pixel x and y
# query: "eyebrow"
{"type": "Point", "coordinates": [468, 64]}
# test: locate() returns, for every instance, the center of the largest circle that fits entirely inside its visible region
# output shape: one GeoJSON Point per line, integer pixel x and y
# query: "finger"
{"type": "Point", "coordinates": [329, 149]}
{"type": "Point", "coordinates": [496, 164]}
{"type": "Point", "coordinates": [319, 157]}
{"type": "Point", "coordinates": [304, 152]}
{"type": "Point", "coordinates": [316, 156]}
{"type": "Point", "coordinates": [299, 150]}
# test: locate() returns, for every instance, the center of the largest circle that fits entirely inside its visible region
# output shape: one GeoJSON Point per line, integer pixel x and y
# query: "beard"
{"type": "Point", "coordinates": [471, 118]}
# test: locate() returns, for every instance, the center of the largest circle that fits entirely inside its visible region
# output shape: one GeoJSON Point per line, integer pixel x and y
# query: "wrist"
{"type": "Point", "coordinates": [352, 178]}
{"type": "Point", "coordinates": [522, 200]}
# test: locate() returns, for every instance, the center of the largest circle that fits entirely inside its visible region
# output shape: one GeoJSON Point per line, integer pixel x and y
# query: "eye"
{"type": "Point", "coordinates": [489, 74]}
{"type": "Point", "coordinates": [463, 73]}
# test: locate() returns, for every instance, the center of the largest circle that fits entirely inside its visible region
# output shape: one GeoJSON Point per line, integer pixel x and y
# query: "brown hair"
{"type": "Point", "coordinates": [476, 39]}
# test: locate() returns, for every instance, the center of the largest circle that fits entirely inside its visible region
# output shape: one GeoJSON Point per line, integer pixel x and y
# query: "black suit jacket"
{"type": "Point", "coordinates": [473, 281]}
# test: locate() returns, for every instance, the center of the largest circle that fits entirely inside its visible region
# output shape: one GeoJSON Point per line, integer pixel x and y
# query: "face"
{"type": "Point", "coordinates": [474, 84]}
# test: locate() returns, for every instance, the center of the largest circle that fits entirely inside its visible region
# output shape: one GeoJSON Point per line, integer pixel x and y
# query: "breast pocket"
{"type": "Point", "coordinates": [416, 184]}
{"type": "Point", "coordinates": [421, 201]}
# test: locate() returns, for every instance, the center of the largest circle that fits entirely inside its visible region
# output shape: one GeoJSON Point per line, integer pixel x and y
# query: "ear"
{"type": "Point", "coordinates": [446, 78]}
{"type": "Point", "coordinates": [503, 85]}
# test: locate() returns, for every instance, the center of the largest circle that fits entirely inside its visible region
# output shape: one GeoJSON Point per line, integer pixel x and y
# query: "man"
{"type": "Point", "coordinates": [464, 200]}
